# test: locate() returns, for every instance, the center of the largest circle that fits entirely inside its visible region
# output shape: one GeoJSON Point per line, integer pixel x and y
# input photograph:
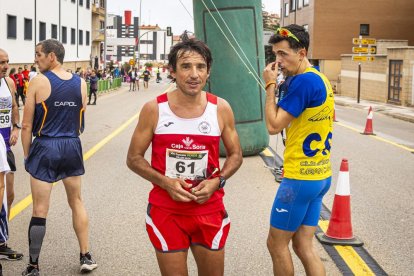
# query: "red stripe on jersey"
{"type": "Point", "coordinates": [162, 98]}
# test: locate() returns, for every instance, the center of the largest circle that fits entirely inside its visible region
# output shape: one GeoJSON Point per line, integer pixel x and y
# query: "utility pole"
{"type": "Point", "coordinates": [139, 34]}
{"type": "Point", "coordinates": [105, 24]}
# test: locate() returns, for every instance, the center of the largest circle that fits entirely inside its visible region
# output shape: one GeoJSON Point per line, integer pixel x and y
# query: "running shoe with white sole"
{"type": "Point", "coordinates": [87, 263]}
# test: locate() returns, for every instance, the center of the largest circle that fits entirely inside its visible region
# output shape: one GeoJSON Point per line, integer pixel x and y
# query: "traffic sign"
{"type": "Point", "coordinates": [364, 41]}
{"type": "Point", "coordinates": [364, 50]}
{"type": "Point", "coordinates": [363, 58]}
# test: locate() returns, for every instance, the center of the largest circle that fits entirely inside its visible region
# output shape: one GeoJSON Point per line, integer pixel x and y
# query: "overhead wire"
{"type": "Point", "coordinates": [258, 80]}
{"type": "Point", "coordinates": [232, 35]}
{"type": "Point", "coordinates": [186, 9]}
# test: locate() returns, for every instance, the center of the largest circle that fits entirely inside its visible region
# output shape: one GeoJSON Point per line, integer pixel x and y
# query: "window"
{"type": "Point", "coordinates": [42, 31]}
{"type": "Point", "coordinates": [64, 35]}
{"type": "Point", "coordinates": [300, 4]}
{"type": "Point", "coordinates": [80, 38]}
{"type": "Point", "coordinates": [54, 31]}
{"type": "Point", "coordinates": [11, 26]}
{"type": "Point", "coordinates": [364, 29]}
{"type": "Point", "coordinates": [73, 1]}
{"type": "Point", "coordinates": [286, 9]}
{"type": "Point", "coordinates": [87, 38]}
{"type": "Point", "coordinates": [292, 5]}
{"type": "Point", "coordinates": [88, 4]}
{"type": "Point", "coordinates": [306, 27]}
{"type": "Point", "coordinates": [305, 3]}
{"type": "Point", "coordinates": [28, 26]}
{"type": "Point", "coordinates": [102, 3]}
{"type": "Point", "coordinates": [80, 2]}
{"type": "Point", "coordinates": [72, 36]}
{"type": "Point", "coordinates": [102, 24]}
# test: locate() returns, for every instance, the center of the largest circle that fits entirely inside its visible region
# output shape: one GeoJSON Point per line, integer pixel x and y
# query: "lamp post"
{"type": "Point", "coordinates": [139, 32]}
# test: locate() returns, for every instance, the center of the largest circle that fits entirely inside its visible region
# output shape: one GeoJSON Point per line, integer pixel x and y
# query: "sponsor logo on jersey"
{"type": "Point", "coordinates": [168, 124]}
{"type": "Point", "coordinates": [204, 127]}
{"type": "Point", "coordinates": [65, 104]}
{"type": "Point", "coordinates": [324, 114]}
{"type": "Point", "coordinates": [188, 145]}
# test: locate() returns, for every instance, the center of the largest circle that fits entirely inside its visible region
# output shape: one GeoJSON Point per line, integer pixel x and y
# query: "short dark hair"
{"type": "Point", "coordinates": [301, 34]}
{"type": "Point", "coordinates": [55, 46]}
{"type": "Point", "coordinates": [189, 45]}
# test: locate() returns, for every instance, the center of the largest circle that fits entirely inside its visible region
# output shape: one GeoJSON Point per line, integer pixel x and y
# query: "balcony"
{"type": "Point", "coordinates": [98, 9]}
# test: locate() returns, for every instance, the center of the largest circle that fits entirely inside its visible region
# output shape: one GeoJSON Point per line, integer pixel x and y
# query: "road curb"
{"type": "Point", "coordinates": [407, 118]}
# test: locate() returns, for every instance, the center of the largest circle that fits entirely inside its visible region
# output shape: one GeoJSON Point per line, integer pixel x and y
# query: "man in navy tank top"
{"type": "Point", "coordinates": [54, 115]}
{"type": "Point", "coordinates": [185, 126]}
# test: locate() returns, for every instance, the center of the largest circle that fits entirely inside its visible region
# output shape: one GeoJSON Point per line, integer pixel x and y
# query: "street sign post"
{"type": "Point", "coordinates": [362, 58]}
{"type": "Point", "coordinates": [364, 50]}
{"type": "Point", "coordinates": [364, 55]}
{"type": "Point", "coordinates": [364, 41]}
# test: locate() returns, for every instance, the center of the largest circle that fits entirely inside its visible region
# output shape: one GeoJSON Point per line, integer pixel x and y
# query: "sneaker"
{"type": "Point", "coordinates": [87, 263]}
{"type": "Point", "coordinates": [31, 271]}
{"type": "Point", "coordinates": [6, 253]}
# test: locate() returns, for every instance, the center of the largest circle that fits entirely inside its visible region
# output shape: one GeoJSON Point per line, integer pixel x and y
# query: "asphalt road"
{"type": "Point", "coordinates": [116, 200]}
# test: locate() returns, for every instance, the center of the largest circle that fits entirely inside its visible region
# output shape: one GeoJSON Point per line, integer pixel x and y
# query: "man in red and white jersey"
{"type": "Point", "coordinates": [185, 207]}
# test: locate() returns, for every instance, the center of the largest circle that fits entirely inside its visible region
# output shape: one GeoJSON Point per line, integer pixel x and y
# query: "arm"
{"type": "Point", "coordinates": [28, 114]}
{"type": "Point", "coordinates": [276, 118]}
{"type": "Point", "coordinates": [140, 141]}
{"type": "Point", "coordinates": [15, 116]}
{"type": "Point", "coordinates": [234, 156]}
{"type": "Point", "coordinates": [84, 91]}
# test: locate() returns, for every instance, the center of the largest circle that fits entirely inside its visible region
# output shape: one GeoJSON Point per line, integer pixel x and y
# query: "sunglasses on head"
{"type": "Point", "coordinates": [286, 33]}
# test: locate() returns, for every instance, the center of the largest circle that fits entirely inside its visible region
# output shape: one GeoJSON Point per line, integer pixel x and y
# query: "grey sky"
{"type": "Point", "coordinates": [168, 12]}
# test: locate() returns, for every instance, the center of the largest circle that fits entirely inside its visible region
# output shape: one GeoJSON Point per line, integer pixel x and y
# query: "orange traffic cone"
{"type": "Point", "coordinates": [340, 226]}
{"type": "Point", "coordinates": [334, 117]}
{"type": "Point", "coordinates": [368, 126]}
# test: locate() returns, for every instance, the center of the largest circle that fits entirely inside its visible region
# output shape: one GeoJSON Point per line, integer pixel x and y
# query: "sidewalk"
{"type": "Point", "coordinates": [395, 111]}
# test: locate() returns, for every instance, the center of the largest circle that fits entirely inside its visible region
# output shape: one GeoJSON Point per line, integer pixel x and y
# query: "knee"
{"type": "Point", "coordinates": [275, 248]}
{"type": "Point", "coordinates": [302, 250]}
{"type": "Point", "coordinates": [75, 202]}
{"type": "Point", "coordinates": [10, 197]}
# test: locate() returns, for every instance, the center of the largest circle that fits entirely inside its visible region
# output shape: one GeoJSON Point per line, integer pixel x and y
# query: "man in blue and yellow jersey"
{"type": "Point", "coordinates": [306, 112]}
{"type": "Point", "coordinates": [53, 114]}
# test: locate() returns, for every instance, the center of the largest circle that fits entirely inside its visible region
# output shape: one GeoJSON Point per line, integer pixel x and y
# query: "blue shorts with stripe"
{"type": "Point", "coordinates": [53, 159]}
{"type": "Point", "coordinates": [298, 202]}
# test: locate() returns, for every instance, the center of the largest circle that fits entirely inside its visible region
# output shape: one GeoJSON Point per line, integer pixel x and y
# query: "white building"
{"type": "Point", "coordinates": [26, 22]}
{"type": "Point", "coordinates": [154, 44]}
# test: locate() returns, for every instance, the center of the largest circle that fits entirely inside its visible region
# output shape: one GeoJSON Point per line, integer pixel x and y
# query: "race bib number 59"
{"type": "Point", "coordinates": [5, 118]}
{"type": "Point", "coordinates": [186, 164]}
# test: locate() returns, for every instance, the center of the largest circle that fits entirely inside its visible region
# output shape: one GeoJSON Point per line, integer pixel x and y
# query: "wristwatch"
{"type": "Point", "coordinates": [222, 182]}
{"type": "Point", "coordinates": [19, 126]}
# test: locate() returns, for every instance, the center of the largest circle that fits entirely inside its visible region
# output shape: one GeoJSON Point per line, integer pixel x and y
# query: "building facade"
{"type": "Point", "coordinates": [66, 20]}
{"type": "Point", "coordinates": [124, 44]}
{"type": "Point", "coordinates": [332, 25]}
{"type": "Point", "coordinates": [98, 33]}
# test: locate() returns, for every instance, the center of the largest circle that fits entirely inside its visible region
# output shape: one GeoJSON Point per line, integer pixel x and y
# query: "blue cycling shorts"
{"type": "Point", "coordinates": [298, 202]}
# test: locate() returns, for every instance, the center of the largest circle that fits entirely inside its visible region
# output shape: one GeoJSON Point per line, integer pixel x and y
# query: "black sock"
{"type": "Point", "coordinates": [87, 254]}
{"type": "Point", "coordinates": [37, 231]}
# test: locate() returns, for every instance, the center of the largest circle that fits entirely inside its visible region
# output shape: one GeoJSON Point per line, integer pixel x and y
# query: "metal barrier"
{"type": "Point", "coordinates": [105, 85]}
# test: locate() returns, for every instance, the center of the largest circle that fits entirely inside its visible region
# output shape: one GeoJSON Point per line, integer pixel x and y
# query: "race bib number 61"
{"type": "Point", "coordinates": [186, 164]}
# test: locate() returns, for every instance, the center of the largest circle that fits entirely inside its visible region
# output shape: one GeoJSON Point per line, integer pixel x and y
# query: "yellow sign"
{"type": "Point", "coordinates": [364, 41]}
{"type": "Point", "coordinates": [131, 61]}
{"type": "Point", "coordinates": [369, 41]}
{"type": "Point", "coordinates": [363, 58]}
{"type": "Point", "coordinates": [364, 50]}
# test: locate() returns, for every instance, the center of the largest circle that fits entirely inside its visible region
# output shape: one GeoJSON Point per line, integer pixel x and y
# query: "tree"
{"type": "Point", "coordinates": [270, 21]}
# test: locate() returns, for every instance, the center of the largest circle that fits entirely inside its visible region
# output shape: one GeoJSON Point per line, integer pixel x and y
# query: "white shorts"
{"type": "Point", "coordinates": [4, 165]}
